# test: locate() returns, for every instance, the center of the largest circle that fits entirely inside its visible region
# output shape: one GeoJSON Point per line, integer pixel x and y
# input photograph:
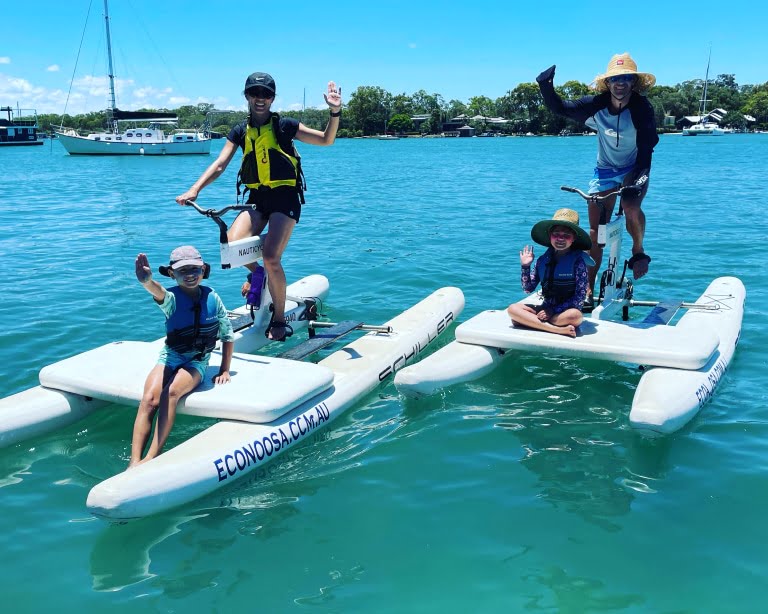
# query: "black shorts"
{"type": "Point", "coordinates": [283, 200]}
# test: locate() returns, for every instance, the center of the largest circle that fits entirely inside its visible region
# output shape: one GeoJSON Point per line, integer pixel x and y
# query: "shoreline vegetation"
{"type": "Point", "coordinates": [371, 110]}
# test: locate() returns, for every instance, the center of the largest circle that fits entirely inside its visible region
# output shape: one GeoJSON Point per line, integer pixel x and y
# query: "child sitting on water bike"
{"type": "Point", "coordinates": [562, 272]}
{"type": "Point", "coordinates": [195, 319]}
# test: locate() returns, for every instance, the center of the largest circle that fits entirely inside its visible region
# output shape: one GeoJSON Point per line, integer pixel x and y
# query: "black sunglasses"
{"type": "Point", "coordinates": [259, 92]}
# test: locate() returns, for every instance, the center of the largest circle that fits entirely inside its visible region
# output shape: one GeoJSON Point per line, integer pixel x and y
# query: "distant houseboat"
{"type": "Point", "coordinates": [19, 127]}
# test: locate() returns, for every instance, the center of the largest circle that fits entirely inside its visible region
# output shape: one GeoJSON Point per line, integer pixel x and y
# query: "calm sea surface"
{"type": "Point", "coordinates": [523, 491]}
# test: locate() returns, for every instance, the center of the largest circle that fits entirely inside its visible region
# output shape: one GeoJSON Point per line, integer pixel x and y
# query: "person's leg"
{"type": "Point", "coordinates": [594, 211]}
{"type": "Point", "coordinates": [569, 317]}
{"type": "Point", "coordinates": [636, 229]}
{"type": "Point", "coordinates": [247, 224]}
{"type": "Point", "coordinates": [526, 316]}
{"type": "Point", "coordinates": [182, 382]}
{"type": "Point", "coordinates": [280, 228]}
{"type": "Point", "coordinates": [142, 426]}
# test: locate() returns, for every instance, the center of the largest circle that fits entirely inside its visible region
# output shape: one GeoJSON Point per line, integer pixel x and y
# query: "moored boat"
{"type": "Point", "coordinates": [135, 139]}
{"type": "Point", "coordinates": [19, 127]}
{"type": "Point", "coordinates": [704, 126]}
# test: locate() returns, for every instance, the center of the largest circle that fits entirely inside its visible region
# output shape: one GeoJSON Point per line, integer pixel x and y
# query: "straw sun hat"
{"type": "Point", "coordinates": [623, 64]}
{"type": "Point", "coordinates": [563, 217]}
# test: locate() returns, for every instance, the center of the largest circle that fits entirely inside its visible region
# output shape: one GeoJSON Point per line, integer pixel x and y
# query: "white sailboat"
{"type": "Point", "coordinates": [702, 126]}
{"type": "Point", "coordinates": [388, 137]}
{"type": "Point", "coordinates": [155, 136]}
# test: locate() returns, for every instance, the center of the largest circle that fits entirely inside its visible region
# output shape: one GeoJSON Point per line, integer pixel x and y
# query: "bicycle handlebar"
{"type": "Point", "coordinates": [216, 213]}
{"type": "Point", "coordinates": [594, 198]}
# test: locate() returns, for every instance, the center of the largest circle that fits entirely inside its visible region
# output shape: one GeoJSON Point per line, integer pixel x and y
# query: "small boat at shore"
{"type": "Point", "coordinates": [19, 127]}
{"type": "Point", "coordinates": [681, 363]}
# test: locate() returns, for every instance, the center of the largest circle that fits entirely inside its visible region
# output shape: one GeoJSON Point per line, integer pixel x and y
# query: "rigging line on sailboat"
{"type": "Point", "coordinates": [136, 16]}
{"type": "Point", "coordinates": [77, 59]}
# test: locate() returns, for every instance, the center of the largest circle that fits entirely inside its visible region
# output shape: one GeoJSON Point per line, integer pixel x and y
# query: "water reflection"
{"type": "Point", "coordinates": [570, 593]}
{"type": "Point", "coordinates": [569, 418]}
{"type": "Point", "coordinates": [121, 555]}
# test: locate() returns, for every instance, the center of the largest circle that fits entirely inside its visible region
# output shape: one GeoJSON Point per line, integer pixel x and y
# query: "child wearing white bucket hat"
{"type": "Point", "coordinates": [561, 271]}
{"type": "Point", "coordinates": [626, 134]}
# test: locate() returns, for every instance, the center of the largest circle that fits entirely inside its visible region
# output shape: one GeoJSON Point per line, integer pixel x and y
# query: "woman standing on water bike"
{"type": "Point", "coordinates": [626, 131]}
{"type": "Point", "coordinates": [271, 172]}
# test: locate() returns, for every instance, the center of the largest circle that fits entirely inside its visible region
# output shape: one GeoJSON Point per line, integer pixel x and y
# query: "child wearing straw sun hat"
{"type": "Point", "coordinates": [626, 131]}
{"type": "Point", "coordinates": [562, 272]}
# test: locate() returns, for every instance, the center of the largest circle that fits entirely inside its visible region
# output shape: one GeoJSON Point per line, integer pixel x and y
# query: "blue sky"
{"type": "Point", "coordinates": [173, 52]}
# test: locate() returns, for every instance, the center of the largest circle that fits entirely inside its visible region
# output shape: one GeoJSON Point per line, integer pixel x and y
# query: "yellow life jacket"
{"type": "Point", "coordinates": [265, 163]}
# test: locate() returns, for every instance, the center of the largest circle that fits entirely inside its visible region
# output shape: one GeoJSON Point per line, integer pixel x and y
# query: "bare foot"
{"type": "Point", "coordinates": [568, 330]}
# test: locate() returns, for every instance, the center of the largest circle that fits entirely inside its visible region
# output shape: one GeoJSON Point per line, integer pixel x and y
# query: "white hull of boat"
{"type": "Point", "coordinates": [80, 145]}
{"type": "Point", "coordinates": [231, 450]}
{"type": "Point", "coordinates": [703, 130]}
{"type": "Point", "coordinates": [40, 410]}
{"type": "Point", "coordinates": [666, 398]}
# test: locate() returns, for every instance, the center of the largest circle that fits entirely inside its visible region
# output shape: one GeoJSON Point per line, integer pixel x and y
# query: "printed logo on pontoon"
{"type": "Point", "coordinates": [262, 449]}
{"type": "Point", "coordinates": [707, 389]}
{"type": "Point", "coordinates": [417, 348]}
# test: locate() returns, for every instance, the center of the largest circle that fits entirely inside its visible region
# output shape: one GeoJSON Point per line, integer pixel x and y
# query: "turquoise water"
{"type": "Point", "coordinates": [525, 490]}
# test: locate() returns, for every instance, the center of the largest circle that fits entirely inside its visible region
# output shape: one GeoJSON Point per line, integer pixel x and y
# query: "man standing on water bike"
{"type": "Point", "coordinates": [271, 172]}
{"type": "Point", "coordinates": [626, 133]}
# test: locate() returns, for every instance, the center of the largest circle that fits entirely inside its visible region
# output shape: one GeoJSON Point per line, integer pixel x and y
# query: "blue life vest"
{"type": "Point", "coordinates": [558, 279]}
{"type": "Point", "coordinates": [194, 325]}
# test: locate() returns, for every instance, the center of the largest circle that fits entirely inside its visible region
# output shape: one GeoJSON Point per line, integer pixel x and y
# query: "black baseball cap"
{"type": "Point", "coordinates": [260, 79]}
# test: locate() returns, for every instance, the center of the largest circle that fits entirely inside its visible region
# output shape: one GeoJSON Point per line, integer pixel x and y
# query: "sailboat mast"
{"type": "Point", "coordinates": [706, 84]}
{"type": "Point", "coordinates": [111, 75]}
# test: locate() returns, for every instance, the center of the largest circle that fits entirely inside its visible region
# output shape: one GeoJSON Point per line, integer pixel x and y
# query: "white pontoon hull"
{"type": "Point", "coordinates": [666, 398]}
{"type": "Point", "coordinates": [40, 410]}
{"type": "Point", "coordinates": [231, 450]}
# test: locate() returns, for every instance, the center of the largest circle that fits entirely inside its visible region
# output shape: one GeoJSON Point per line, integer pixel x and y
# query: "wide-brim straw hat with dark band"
{"type": "Point", "coordinates": [563, 217]}
{"type": "Point", "coordinates": [623, 64]}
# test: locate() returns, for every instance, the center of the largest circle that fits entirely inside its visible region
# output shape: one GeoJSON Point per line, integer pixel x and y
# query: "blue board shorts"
{"type": "Point", "coordinates": [175, 361]}
{"type": "Point", "coordinates": [606, 179]}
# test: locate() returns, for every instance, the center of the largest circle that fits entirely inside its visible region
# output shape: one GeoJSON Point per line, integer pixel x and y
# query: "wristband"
{"type": "Point", "coordinates": [336, 114]}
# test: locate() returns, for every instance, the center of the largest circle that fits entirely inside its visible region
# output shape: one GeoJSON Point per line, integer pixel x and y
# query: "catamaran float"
{"type": "Point", "coordinates": [682, 363]}
{"type": "Point", "coordinates": [295, 399]}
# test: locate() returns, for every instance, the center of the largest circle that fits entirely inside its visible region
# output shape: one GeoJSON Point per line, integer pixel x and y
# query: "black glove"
{"type": "Point", "coordinates": [547, 75]}
{"type": "Point", "coordinates": [637, 177]}
{"type": "Point", "coordinates": [634, 181]}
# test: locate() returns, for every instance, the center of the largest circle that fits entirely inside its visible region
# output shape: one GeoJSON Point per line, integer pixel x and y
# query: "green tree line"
{"type": "Point", "coordinates": [371, 109]}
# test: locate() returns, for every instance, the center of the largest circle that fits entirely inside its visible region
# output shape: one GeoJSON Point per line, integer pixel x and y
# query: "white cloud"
{"type": "Point", "coordinates": [53, 68]}
{"type": "Point", "coordinates": [5, 60]}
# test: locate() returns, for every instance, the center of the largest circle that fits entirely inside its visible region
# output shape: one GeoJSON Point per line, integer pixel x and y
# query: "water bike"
{"type": "Point", "coordinates": [271, 404]}
{"type": "Point", "coordinates": [681, 360]}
